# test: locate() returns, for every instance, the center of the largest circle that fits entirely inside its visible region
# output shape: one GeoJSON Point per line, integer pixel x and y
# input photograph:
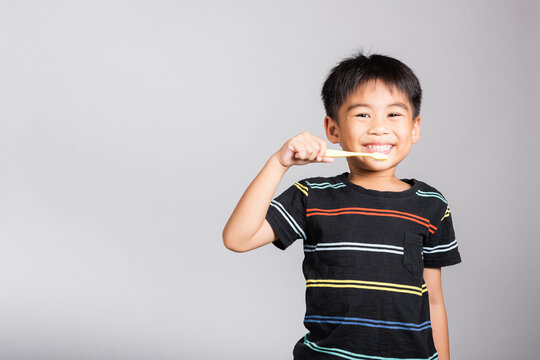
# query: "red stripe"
{"type": "Point", "coordinates": [375, 212]}
{"type": "Point", "coordinates": [369, 209]}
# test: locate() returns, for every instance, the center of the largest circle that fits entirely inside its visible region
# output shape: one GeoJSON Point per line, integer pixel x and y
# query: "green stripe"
{"type": "Point", "coordinates": [431, 194]}
{"type": "Point", "coordinates": [353, 356]}
{"type": "Point", "coordinates": [324, 185]}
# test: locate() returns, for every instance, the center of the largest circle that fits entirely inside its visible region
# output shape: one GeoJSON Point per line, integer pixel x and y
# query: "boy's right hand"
{"type": "Point", "coordinates": [303, 149]}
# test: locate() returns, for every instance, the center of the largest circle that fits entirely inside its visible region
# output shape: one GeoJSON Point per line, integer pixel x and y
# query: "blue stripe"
{"type": "Point", "coordinates": [368, 322]}
{"type": "Point", "coordinates": [369, 325]}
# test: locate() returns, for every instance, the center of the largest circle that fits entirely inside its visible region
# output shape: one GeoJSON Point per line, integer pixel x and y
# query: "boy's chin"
{"type": "Point", "coordinates": [372, 164]}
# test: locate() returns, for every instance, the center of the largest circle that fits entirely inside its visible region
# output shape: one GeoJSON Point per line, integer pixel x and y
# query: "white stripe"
{"type": "Point", "coordinates": [440, 248]}
{"type": "Point", "coordinates": [354, 248]}
{"type": "Point", "coordinates": [297, 229]}
{"type": "Point", "coordinates": [355, 243]}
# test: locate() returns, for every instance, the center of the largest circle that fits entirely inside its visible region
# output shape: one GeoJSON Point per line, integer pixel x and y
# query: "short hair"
{"type": "Point", "coordinates": [358, 70]}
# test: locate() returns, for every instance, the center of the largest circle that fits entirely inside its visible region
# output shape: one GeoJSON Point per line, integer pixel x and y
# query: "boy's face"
{"type": "Point", "coordinates": [375, 115]}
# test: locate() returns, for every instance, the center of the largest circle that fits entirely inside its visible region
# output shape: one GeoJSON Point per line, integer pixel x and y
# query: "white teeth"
{"type": "Point", "coordinates": [379, 147]}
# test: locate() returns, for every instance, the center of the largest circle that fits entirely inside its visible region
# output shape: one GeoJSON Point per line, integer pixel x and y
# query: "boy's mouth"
{"type": "Point", "coordinates": [379, 148]}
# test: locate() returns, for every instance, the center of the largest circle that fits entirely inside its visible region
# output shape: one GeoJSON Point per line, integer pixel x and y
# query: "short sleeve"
{"type": "Point", "coordinates": [442, 248]}
{"type": "Point", "coordinates": [287, 215]}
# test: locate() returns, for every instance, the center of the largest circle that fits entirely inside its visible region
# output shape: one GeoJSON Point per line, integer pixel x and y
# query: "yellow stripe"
{"type": "Point", "coordinates": [303, 186]}
{"type": "Point", "coordinates": [299, 186]}
{"type": "Point", "coordinates": [367, 287]}
{"type": "Point", "coordinates": [446, 213]}
{"type": "Point", "coordinates": [367, 282]}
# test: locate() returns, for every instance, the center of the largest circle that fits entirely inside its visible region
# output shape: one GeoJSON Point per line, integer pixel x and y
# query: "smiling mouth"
{"type": "Point", "coordinates": [383, 149]}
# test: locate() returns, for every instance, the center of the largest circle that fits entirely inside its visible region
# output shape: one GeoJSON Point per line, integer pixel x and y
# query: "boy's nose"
{"type": "Point", "coordinates": [378, 129]}
{"type": "Point", "coordinates": [377, 126]}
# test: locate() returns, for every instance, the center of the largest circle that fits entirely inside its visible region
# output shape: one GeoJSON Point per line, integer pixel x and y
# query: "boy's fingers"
{"type": "Point", "coordinates": [306, 152]}
{"type": "Point", "coordinates": [322, 151]}
{"type": "Point", "coordinates": [308, 147]}
{"type": "Point", "coordinates": [312, 152]}
{"type": "Point", "coordinates": [300, 151]}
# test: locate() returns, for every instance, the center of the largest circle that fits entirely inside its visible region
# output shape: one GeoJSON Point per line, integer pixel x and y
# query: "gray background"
{"type": "Point", "coordinates": [130, 130]}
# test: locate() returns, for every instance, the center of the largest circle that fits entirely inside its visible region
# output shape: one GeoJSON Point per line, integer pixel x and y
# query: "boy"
{"type": "Point", "coordinates": [374, 244]}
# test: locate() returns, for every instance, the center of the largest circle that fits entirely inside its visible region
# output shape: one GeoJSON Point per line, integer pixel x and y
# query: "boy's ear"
{"type": "Point", "coordinates": [332, 129]}
{"type": "Point", "coordinates": [416, 130]}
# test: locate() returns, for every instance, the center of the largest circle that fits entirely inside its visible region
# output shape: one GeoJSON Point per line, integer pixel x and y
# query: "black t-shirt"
{"type": "Point", "coordinates": [364, 255]}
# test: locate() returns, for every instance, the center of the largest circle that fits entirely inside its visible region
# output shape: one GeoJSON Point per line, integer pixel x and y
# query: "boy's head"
{"type": "Point", "coordinates": [373, 105]}
{"type": "Point", "coordinates": [357, 71]}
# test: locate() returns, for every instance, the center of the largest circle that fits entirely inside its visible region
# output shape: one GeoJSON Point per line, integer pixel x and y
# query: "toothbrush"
{"type": "Point", "coordinates": [341, 153]}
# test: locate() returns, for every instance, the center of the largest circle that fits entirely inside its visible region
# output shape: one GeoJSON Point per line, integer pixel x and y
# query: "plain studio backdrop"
{"type": "Point", "coordinates": [130, 130]}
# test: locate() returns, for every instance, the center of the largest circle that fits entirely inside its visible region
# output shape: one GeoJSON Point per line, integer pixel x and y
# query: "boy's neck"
{"type": "Point", "coordinates": [380, 181]}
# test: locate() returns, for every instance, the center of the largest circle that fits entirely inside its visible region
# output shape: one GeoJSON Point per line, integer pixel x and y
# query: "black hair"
{"type": "Point", "coordinates": [358, 70]}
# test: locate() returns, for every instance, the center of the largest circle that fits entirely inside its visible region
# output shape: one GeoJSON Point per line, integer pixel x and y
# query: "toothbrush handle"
{"type": "Point", "coordinates": [341, 153]}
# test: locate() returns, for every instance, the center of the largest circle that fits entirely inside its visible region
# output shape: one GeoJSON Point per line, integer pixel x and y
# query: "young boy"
{"type": "Point", "coordinates": [374, 244]}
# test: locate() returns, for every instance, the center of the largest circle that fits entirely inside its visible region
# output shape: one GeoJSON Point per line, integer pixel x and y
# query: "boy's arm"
{"type": "Point", "coordinates": [439, 322]}
{"type": "Point", "coordinates": [247, 227]}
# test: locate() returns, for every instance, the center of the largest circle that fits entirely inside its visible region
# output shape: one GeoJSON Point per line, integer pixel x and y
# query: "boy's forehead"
{"type": "Point", "coordinates": [378, 86]}
{"type": "Point", "coordinates": [389, 93]}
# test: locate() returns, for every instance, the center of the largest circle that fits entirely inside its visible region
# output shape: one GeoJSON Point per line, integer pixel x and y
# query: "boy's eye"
{"type": "Point", "coordinates": [394, 114]}
{"type": "Point", "coordinates": [362, 115]}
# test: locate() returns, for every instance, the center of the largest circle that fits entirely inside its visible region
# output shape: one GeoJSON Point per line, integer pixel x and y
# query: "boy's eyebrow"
{"type": "Point", "coordinates": [399, 104]}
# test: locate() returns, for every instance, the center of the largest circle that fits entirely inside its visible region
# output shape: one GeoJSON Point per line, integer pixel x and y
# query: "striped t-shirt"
{"type": "Point", "coordinates": [364, 255]}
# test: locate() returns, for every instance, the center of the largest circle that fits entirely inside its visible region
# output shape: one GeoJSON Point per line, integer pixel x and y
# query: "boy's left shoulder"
{"type": "Point", "coordinates": [322, 179]}
{"type": "Point", "coordinates": [431, 197]}
{"type": "Point", "coordinates": [422, 185]}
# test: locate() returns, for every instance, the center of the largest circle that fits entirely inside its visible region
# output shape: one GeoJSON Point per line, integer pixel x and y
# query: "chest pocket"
{"type": "Point", "coordinates": [412, 253]}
